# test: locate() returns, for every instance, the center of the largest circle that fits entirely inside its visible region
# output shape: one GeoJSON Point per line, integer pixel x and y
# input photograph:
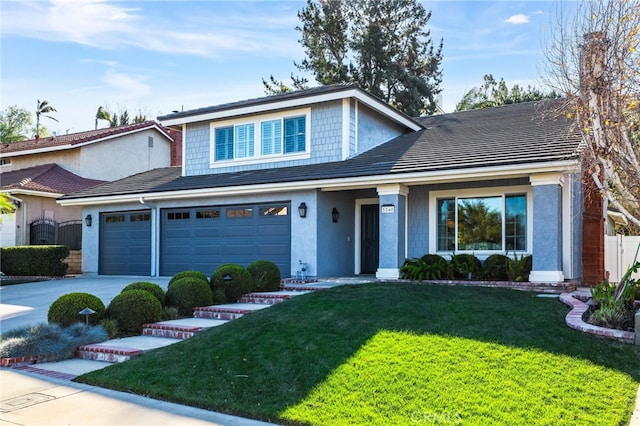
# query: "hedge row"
{"type": "Point", "coordinates": [34, 260]}
{"type": "Point", "coordinates": [496, 267]}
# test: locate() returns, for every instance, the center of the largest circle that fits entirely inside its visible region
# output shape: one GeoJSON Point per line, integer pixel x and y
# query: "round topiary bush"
{"type": "Point", "coordinates": [133, 308]}
{"type": "Point", "coordinates": [232, 280]}
{"type": "Point", "coordinates": [65, 309]}
{"type": "Point", "coordinates": [191, 274]}
{"type": "Point", "coordinates": [152, 288]}
{"type": "Point", "coordinates": [265, 274]}
{"type": "Point", "coordinates": [495, 267]}
{"type": "Point", "coordinates": [188, 293]}
{"type": "Point", "coordinates": [465, 266]}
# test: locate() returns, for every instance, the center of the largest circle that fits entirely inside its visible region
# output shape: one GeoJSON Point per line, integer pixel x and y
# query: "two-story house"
{"type": "Point", "coordinates": [334, 178]}
{"type": "Point", "coordinates": [34, 173]}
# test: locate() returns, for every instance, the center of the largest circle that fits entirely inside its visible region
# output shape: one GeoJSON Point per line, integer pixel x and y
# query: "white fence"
{"type": "Point", "coordinates": [619, 252]}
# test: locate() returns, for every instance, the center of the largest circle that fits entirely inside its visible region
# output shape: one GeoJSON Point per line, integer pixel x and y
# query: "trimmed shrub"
{"type": "Point", "coordinates": [495, 267]}
{"type": "Point", "coordinates": [518, 269]}
{"type": "Point", "coordinates": [265, 275]}
{"type": "Point", "coordinates": [133, 308]}
{"type": "Point", "coordinates": [239, 282]}
{"type": "Point", "coordinates": [191, 274]}
{"type": "Point", "coordinates": [188, 293]}
{"type": "Point", "coordinates": [65, 309]}
{"type": "Point", "coordinates": [465, 266]}
{"type": "Point", "coordinates": [428, 267]}
{"type": "Point", "coordinates": [46, 261]}
{"type": "Point", "coordinates": [152, 288]}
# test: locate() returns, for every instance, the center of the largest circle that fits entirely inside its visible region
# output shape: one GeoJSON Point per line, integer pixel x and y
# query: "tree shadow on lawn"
{"type": "Point", "coordinates": [263, 363]}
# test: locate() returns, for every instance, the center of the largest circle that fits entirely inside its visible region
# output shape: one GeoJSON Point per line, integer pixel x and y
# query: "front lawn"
{"type": "Point", "coordinates": [395, 354]}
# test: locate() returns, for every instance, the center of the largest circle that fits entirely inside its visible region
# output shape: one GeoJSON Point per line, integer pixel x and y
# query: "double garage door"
{"type": "Point", "coordinates": [198, 238]}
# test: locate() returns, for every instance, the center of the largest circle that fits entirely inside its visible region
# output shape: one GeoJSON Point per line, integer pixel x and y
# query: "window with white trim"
{"type": "Point", "coordinates": [272, 135]}
{"type": "Point", "coordinates": [5, 161]}
{"type": "Point", "coordinates": [491, 223]}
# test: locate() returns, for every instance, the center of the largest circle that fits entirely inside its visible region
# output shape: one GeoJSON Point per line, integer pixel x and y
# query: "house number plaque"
{"type": "Point", "coordinates": [388, 208]}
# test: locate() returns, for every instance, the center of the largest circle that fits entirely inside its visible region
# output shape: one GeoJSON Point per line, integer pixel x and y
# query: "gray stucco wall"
{"type": "Point", "coordinates": [392, 232]}
{"type": "Point", "coordinates": [335, 240]}
{"type": "Point", "coordinates": [547, 228]}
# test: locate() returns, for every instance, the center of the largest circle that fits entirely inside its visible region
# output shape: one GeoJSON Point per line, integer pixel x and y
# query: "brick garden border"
{"type": "Point", "coordinates": [574, 319]}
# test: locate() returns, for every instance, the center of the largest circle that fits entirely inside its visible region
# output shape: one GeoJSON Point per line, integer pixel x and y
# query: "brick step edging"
{"type": "Point", "coordinates": [170, 331]}
{"type": "Point", "coordinates": [107, 353]}
{"type": "Point", "coordinates": [574, 319]}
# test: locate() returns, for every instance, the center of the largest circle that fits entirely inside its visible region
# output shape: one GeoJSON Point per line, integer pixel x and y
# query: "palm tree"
{"type": "Point", "coordinates": [43, 108]}
{"type": "Point", "coordinates": [104, 114]}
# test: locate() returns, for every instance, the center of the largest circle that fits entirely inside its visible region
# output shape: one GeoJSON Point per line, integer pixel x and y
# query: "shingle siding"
{"type": "Point", "coordinates": [197, 140]}
{"type": "Point", "coordinates": [374, 130]}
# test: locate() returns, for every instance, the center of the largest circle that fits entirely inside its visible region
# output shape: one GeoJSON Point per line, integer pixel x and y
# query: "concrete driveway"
{"type": "Point", "coordinates": [27, 304]}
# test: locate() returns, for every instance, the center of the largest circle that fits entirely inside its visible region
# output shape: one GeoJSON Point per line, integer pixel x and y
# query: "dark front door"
{"type": "Point", "coordinates": [370, 232]}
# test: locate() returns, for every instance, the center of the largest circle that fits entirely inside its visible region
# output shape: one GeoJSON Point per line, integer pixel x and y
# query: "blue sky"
{"type": "Point", "coordinates": [160, 56]}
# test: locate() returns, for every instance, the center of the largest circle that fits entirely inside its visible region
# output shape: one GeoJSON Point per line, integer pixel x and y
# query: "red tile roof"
{"type": "Point", "coordinates": [72, 139]}
{"type": "Point", "coordinates": [45, 178]}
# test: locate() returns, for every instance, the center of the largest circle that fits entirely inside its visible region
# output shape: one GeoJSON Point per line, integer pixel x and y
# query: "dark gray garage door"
{"type": "Point", "coordinates": [203, 238]}
{"type": "Point", "coordinates": [125, 243]}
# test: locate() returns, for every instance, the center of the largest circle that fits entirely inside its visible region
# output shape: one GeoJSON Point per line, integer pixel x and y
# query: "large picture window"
{"type": "Point", "coordinates": [489, 223]}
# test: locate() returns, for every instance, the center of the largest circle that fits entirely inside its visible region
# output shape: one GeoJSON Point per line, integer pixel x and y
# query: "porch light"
{"type": "Point", "coordinates": [86, 312]}
{"type": "Point", "coordinates": [334, 215]}
{"type": "Point", "coordinates": [302, 209]}
{"type": "Point", "coordinates": [88, 220]}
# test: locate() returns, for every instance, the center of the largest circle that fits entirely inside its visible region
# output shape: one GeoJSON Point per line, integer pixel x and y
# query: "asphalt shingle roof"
{"type": "Point", "coordinates": [45, 178]}
{"type": "Point", "coordinates": [508, 135]}
{"type": "Point", "coordinates": [78, 138]}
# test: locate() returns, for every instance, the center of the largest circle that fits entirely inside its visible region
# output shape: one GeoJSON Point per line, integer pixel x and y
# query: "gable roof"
{"type": "Point", "coordinates": [286, 100]}
{"type": "Point", "coordinates": [517, 137]}
{"type": "Point", "coordinates": [45, 178]}
{"type": "Point", "coordinates": [74, 140]}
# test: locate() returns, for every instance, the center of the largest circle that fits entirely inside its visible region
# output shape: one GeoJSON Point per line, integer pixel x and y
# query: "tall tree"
{"type": "Point", "coordinates": [493, 93]}
{"type": "Point", "coordinates": [43, 108]}
{"type": "Point", "coordinates": [14, 124]}
{"type": "Point", "coordinates": [383, 45]}
{"type": "Point", "coordinates": [120, 118]}
{"type": "Point", "coordinates": [593, 58]}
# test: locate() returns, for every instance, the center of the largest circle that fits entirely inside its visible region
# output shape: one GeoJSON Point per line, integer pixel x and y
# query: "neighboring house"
{"type": "Point", "coordinates": [33, 173]}
{"type": "Point", "coordinates": [334, 178]}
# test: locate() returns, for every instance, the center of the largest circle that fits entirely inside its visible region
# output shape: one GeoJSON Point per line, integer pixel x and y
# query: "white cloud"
{"type": "Point", "coordinates": [111, 26]}
{"type": "Point", "coordinates": [517, 19]}
{"type": "Point", "coordinates": [130, 86]}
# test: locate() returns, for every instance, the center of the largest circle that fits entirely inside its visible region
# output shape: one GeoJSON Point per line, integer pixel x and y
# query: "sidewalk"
{"type": "Point", "coordinates": [35, 400]}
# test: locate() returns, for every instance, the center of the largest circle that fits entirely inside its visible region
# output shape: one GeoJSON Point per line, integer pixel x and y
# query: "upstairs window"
{"type": "Point", "coordinates": [270, 136]}
{"type": "Point", "coordinates": [294, 134]}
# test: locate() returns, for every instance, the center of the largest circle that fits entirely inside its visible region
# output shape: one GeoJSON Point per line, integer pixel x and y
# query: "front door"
{"type": "Point", "coordinates": [370, 232]}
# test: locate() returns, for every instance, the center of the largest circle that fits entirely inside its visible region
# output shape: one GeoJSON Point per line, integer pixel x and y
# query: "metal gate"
{"type": "Point", "coordinates": [45, 231]}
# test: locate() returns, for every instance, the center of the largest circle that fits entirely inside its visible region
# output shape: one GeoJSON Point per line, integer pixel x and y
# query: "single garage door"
{"type": "Point", "coordinates": [125, 243]}
{"type": "Point", "coordinates": [203, 238]}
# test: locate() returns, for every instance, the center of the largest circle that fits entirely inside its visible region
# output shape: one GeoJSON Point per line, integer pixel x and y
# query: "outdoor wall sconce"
{"type": "Point", "coordinates": [302, 209]}
{"type": "Point", "coordinates": [88, 220]}
{"type": "Point", "coordinates": [334, 215]}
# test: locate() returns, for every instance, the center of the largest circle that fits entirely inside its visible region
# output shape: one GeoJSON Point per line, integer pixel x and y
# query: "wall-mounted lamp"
{"type": "Point", "coordinates": [302, 209]}
{"type": "Point", "coordinates": [88, 220]}
{"type": "Point", "coordinates": [335, 214]}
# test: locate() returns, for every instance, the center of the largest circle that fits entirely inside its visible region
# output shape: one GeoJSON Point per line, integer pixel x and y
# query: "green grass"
{"type": "Point", "coordinates": [395, 354]}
